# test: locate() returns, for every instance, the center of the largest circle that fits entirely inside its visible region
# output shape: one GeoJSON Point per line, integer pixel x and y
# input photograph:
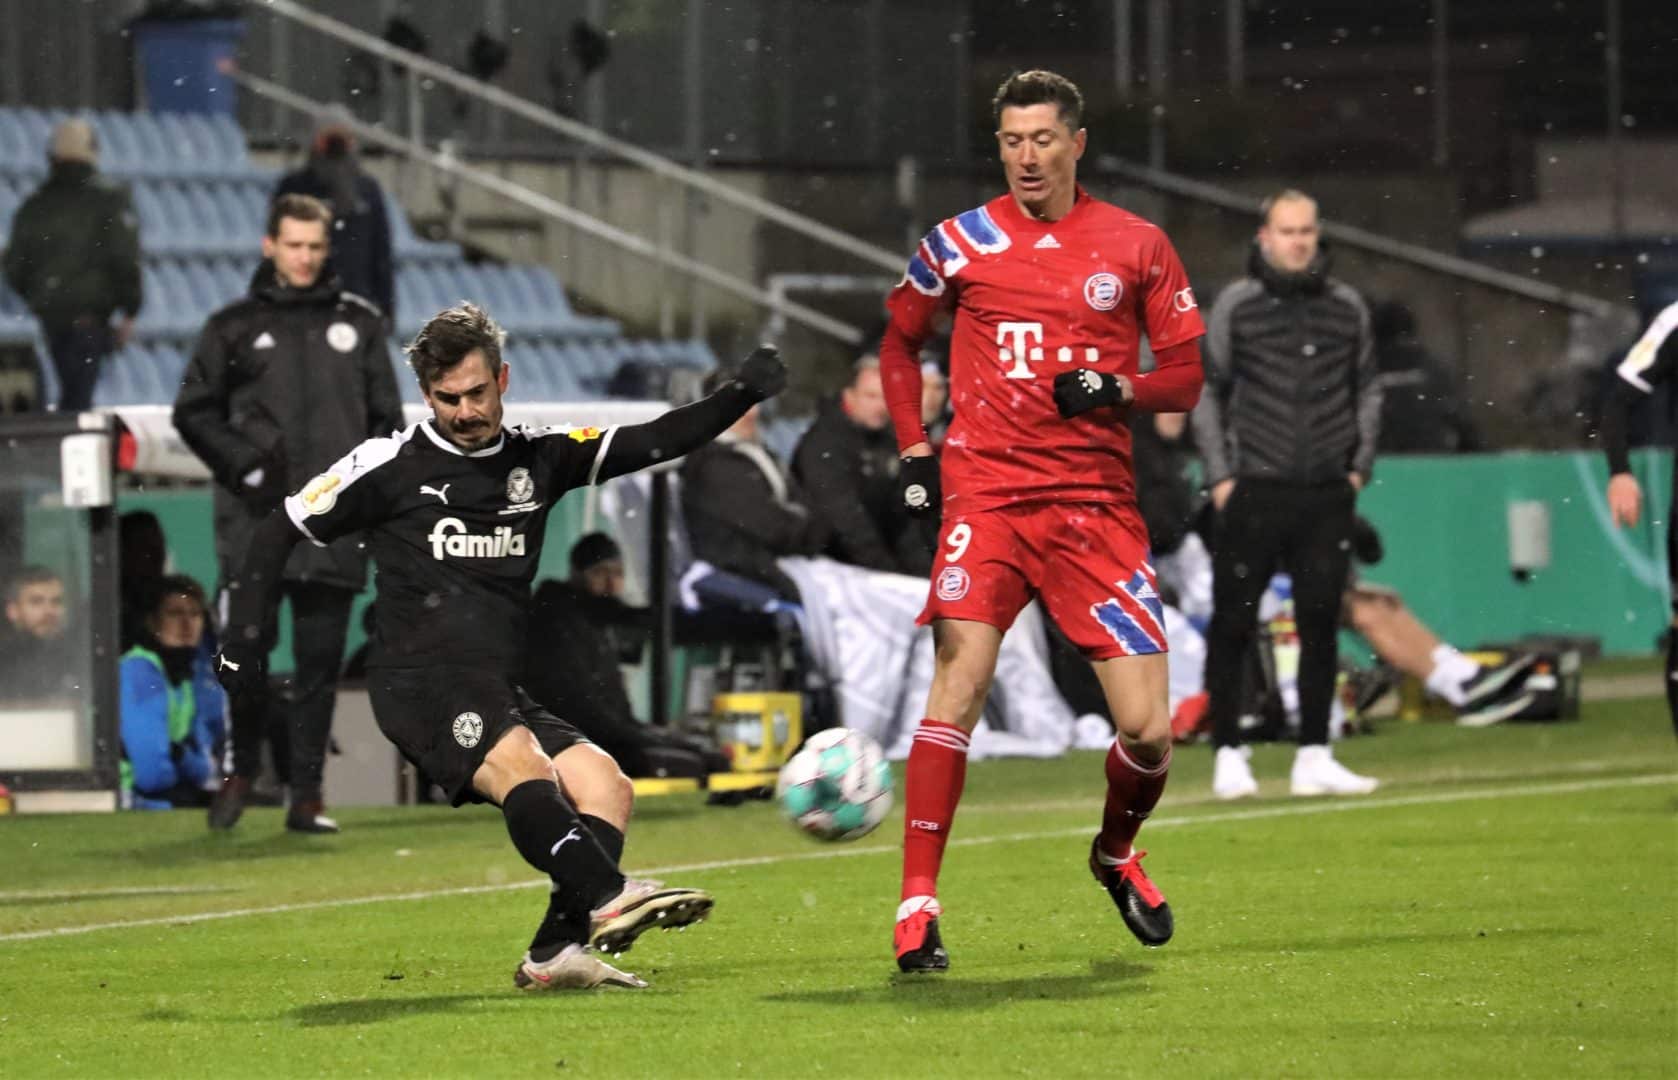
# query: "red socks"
{"type": "Point", "coordinates": [932, 785]}
{"type": "Point", "coordinates": [1132, 791]}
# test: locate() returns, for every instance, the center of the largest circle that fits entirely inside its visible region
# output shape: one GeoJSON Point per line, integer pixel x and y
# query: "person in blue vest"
{"type": "Point", "coordinates": [173, 709]}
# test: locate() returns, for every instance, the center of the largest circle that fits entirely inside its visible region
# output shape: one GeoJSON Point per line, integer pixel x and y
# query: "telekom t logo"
{"type": "Point", "coordinates": [1013, 337]}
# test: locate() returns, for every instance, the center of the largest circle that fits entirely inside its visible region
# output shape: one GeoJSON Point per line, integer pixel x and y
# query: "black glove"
{"type": "Point", "coordinates": [241, 665]}
{"type": "Point", "coordinates": [1077, 392]}
{"type": "Point", "coordinates": [762, 374]}
{"type": "Point", "coordinates": [917, 481]}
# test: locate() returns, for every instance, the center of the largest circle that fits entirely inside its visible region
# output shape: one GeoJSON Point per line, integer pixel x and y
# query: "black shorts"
{"type": "Point", "coordinates": [445, 719]}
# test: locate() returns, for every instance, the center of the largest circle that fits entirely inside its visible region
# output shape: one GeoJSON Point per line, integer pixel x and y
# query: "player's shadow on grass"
{"type": "Point", "coordinates": [379, 1010]}
{"type": "Point", "coordinates": [1104, 978]}
{"type": "Point", "coordinates": [1330, 943]}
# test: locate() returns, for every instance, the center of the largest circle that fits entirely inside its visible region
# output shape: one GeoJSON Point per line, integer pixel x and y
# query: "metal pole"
{"type": "Point", "coordinates": [1159, 29]}
{"type": "Point", "coordinates": [693, 86]}
{"type": "Point", "coordinates": [1124, 49]}
{"type": "Point", "coordinates": [1616, 105]}
{"type": "Point", "coordinates": [1235, 45]}
{"type": "Point", "coordinates": [658, 594]}
{"type": "Point", "coordinates": [1441, 83]}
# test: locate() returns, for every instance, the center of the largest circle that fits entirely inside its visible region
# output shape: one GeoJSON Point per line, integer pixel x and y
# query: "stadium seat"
{"type": "Point", "coordinates": [201, 205]}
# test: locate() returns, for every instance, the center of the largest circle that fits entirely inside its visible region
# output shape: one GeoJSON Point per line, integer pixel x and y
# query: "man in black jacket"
{"type": "Point", "coordinates": [848, 464]}
{"type": "Point", "coordinates": [361, 243]}
{"type": "Point", "coordinates": [282, 384]}
{"type": "Point", "coordinates": [1287, 429]}
{"type": "Point", "coordinates": [742, 509]}
{"type": "Point", "coordinates": [74, 258]}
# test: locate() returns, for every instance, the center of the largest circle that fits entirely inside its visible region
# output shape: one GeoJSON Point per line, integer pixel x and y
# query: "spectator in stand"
{"type": "Point", "coordinates": [142, 560]}
{"type": "Point", "coordinates": [34, 663]}
{"type": "Point", "coordinates": [743, 511]}
{"type": "Point", "coordinates": [361, 245]}
{"type": "Point", "coordinates": [581, 630]}
{"type": "Point", "coordinates": [74, 258]}
{"type": "Point", "coordinates": [174, 713]}
{"type": "Point", "coordinates": [848, 464]}
{"type": "Point", "coordinates": [1423, 407]}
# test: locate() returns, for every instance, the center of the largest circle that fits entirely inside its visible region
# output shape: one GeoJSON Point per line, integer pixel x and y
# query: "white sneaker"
{"type": "Point", "coordinates": [1315, 772]}
{"type": "Point", "coordinates": [576, 967]}
{"type": "Point", "coordinates": [1232, 777]}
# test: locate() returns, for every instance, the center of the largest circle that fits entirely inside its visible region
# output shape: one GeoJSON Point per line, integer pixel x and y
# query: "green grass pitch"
{"type": "Point", "coordinates": [1506, 905]}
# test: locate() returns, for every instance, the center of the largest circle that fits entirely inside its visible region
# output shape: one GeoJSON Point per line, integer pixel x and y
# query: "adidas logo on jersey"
{"type": "Point", "coordinates": [1047, 243]}
{"type": "Point", "coordinates": [265, 340]}
{"type": "Point", "coordinates": [449, 539]}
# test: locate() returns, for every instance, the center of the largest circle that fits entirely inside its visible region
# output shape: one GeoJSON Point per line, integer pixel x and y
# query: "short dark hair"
{"type": "Point", "coordinates": [592, 550]}
{"type": "Point", "coordinates": [29, 575]}
{"type": "Point", "coordinates": [297, 208]}
{"type": "Point", "coordinates": [169, 585]}
{"type": "Point", "coordinates": [1040, 88]}
{"type": "Point", "coordinates": [449, 336]}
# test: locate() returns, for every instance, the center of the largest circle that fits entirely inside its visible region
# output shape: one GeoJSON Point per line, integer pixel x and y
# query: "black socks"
{"type": "Point", "coordinates": [606, 835]}
{"type": "Point", "coordinates": [555, 840]}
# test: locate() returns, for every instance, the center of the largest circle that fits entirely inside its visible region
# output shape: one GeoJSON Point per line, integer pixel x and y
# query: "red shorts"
{"type": "Point", "coordinates": [1089, 563]}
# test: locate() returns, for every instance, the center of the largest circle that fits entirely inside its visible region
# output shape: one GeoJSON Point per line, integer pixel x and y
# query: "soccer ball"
{"type": "Point", "coordinates": [838, 787]}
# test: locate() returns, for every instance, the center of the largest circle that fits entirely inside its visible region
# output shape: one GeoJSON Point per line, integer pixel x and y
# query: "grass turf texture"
{"type": "Point", "coordinates": [1504, 906]}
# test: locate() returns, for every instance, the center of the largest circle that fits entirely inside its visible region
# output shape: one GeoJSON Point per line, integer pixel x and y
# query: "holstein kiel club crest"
{"type": "Point", "coordinates": [520, 487]}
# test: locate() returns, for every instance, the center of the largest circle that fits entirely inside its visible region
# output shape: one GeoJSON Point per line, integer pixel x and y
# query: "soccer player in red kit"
{"type": "Point", "coordinates": [1052, 291]}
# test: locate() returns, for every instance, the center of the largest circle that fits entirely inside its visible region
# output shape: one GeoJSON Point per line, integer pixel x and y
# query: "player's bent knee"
{"type": "Point", "coordinates": [515, 758]}
{"type": "Point", "coordinates": [594, 782]}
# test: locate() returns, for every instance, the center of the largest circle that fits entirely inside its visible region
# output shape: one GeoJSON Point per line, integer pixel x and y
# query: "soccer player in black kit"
{"type": "Point", "coordinates": [455, 509]}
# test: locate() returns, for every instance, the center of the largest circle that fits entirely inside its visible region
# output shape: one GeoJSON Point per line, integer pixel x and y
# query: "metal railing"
{"type": "Point", "coordinates": [1363, 239]}
{"type": "Point", "coordinates": [892, 262]}
{"type": "Point", "coordinates": [657, 164]}
{"type": "Point", "coordinates": [558, 211]}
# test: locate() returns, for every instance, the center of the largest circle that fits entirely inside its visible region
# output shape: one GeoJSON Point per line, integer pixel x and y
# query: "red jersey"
{"type": "Point", "coordinates": [1033, 299]}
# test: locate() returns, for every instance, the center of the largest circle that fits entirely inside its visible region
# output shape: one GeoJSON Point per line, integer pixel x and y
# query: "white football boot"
{"type": "Point", "coordinates": [575, 967]}
{"type": "Point", "coordinates": [641, 906]}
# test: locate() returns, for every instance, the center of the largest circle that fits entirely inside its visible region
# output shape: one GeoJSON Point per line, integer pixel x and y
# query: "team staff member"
{"type": "Point", "coordinates": [1287, 429]}
{"type": "Point", "coordinates": [457, 508]}
{"type": "Point", "coordinates": [283, 383]}
{"type": "Point", "coordinates": [1649, 362]}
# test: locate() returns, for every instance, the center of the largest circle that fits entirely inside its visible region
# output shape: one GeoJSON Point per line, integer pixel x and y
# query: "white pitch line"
{"type": "Point", "coordinates": [1255, 814]}
{"type": "Point", "coordinates": [104, 894]}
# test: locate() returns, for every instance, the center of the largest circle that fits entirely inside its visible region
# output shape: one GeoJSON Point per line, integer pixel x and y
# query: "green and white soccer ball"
{"type": "Point", "coordinates": [837, 787]}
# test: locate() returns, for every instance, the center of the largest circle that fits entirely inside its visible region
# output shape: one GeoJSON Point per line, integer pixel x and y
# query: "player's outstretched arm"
{"type": "Point", "coordinates": [251, 596]}
{"type": "Point", "coordinates": [761, 376]}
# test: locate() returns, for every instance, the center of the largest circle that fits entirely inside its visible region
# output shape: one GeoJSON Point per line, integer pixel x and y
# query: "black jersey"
{"type": "Point", "coordinates": [456, 536]}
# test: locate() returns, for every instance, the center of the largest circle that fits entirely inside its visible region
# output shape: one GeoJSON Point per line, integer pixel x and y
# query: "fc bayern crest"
{"type": "Point", "coordinates": [468, 729]}
{"type": "Point", "coordinates": [520, 487]}
{"type": "Point", "coordinates": [953, 583]}
{"type": "Point", "coordinates": [1102, 291]}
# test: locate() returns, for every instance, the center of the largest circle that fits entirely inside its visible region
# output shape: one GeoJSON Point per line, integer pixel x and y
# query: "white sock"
{"type": "Point", "coordinates": [1451, 669]}
{"type": "Point", "coordinates": [1107, 860]}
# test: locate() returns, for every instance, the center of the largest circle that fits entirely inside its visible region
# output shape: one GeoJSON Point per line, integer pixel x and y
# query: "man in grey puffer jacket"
{"type": "Point", "coordinates": [1287, 429]}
